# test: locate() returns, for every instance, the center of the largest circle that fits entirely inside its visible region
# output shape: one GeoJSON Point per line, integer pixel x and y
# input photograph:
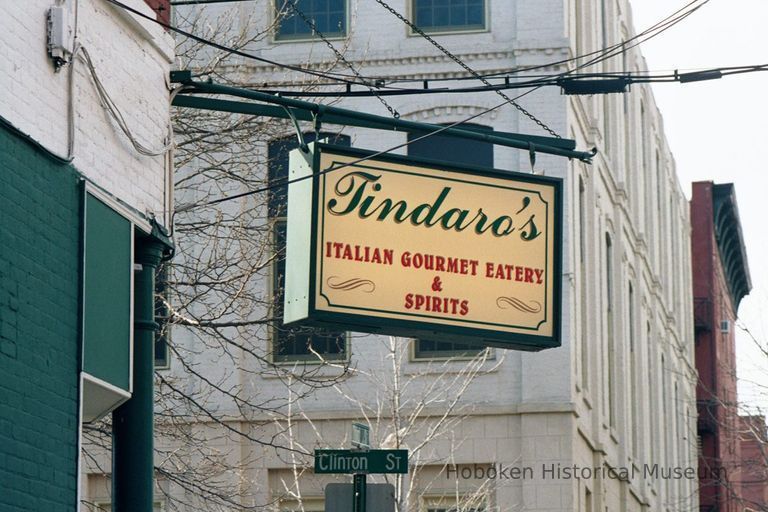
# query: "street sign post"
{"type": "Point", "coordinates": [378, 497]}
{"type": "Point", "coordinates": [361, 462]}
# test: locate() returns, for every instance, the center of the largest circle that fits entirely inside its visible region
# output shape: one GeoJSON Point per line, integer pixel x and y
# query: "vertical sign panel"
{"type": "Point", "coordinates": [107, 295]}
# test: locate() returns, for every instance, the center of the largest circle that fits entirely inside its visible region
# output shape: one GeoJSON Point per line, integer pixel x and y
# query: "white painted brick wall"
{"type": "Point", "coordinates": [132, 58]}
{"type": "Point", "coordinates": [525, 32]}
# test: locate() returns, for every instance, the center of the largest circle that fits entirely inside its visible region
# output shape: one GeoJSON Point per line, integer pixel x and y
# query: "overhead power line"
{"type": "Point", "coordinates": [228, 49]}
{"type": "Point", "coordinates": [311, 24]}
{"type": "Point", "coordinates": [381, 82]}
{"type": "Point", "coordinates": [384, 86]}
{"type": "Point", "coordinates": [382, 123]}
{"type": "Point", "coordinates": [471, 71]}
{"type": "Point", "coordinates": [582, 83]}
{"type": "Point", "coordinates": [594, 58]}
{"type": "Point", "coordinates": [600, 55]}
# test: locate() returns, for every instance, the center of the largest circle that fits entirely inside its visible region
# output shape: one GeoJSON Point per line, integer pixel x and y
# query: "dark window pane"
{"type": "Point", "coordinates": [294, 343]}
{"type": "Point", "coordinates": [475, 16]}
{"type": "Point", "coordinates": [162, 318]}
{"type": "Point", "coordinates": [447, 15]}
{"type": "Point", "coordinates": [335, 21]}
{"type": "Point", "coordinates": [424, 17]}
{"type": "Point", "coordinates": [430, 349]}
{"type": "Point", "coordinates": [456, 151]}
{"type": "Point", "coordinates": [458, 15]}
{"type": "Point", "coordinates": [441, 17]}
{"type": "Point", "coordinates": [452, 149]}
{"type": "Point", "coordinates": [328, 17]}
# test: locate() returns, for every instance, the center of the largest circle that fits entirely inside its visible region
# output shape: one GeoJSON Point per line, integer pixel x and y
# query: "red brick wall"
{"type": "Point", "coordinates": [715, 362]}
{"type": "Point", "coordinates": [754, 491]}
{"type": "Point", "coordinates": [162, 8]}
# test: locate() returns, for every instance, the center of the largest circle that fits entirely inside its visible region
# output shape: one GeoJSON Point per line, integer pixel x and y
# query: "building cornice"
{"type": "Point", "coordinates": [730, 242]}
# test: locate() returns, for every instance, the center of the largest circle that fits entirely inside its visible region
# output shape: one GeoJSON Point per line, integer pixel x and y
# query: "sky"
{"type": "Point", "coordinates": [718, 131]}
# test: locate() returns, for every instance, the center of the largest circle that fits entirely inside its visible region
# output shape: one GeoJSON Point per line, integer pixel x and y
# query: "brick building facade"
{"type": "Point", "coordinates": [720, 280]}
{"type": "Point", "coordinates": [76, 200]}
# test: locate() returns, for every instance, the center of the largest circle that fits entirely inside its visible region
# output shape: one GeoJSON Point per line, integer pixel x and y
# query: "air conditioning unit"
{"type": "Point", "coordinates": [725, 326]}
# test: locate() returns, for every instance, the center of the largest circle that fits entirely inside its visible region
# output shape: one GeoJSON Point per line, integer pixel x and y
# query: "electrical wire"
{"type": "Point", "coordinates": [657, 29]}
{"type": "Point", "coordinates": [536, 81]}
{"type": "Point", "coordinates": [292, 4]}
{"type": "Point", "coordinates": [282, 183]}
{"type": "Point", "coordinates": [233, 51]}
{"type": "Point", "coordinates": [382, 89]}
{"type": "Point", "coordinates": [533, 81]}
{"type": "Point", "coordinates": [660, 25]}
{"type": "Point", "coordinates": [109, 105]}
{"type": "Point", "coordinates": [601, 55]}
{"type": "Point", "coordinates": [341, 78]}
{"type": "Point", "coordinates": [464, 65]}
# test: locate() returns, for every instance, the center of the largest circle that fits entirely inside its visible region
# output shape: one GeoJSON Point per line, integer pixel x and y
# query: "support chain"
{"type": "Point", "coordinates": [292, 5]}
{"type": "Point", "coordinates": [469, 70]}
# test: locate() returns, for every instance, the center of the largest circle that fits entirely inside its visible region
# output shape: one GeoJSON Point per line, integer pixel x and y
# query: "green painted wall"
{"type": "Point", "coordinates": [39, 261]}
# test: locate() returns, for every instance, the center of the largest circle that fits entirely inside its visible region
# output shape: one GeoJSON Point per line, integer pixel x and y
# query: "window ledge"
{"type": "Point", "coordinates": [316, 369]}
{"type": "Point", "coordinates": [456, 31]}
{"type": "Point", "coordinates": [438, 366]}
{"type": "Point", "coordinates": [308, 39]}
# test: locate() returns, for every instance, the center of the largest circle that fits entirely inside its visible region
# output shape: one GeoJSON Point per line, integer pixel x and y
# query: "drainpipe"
{"type": "Point", "coordinates": [132, 427]}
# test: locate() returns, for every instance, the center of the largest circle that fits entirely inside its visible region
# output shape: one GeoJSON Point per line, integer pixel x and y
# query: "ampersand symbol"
{"type": "Point", "coordinates": [437, 286]}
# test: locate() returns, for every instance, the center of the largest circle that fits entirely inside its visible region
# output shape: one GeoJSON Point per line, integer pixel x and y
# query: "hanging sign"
{"type": "Point", "coordinates": [396, 245]}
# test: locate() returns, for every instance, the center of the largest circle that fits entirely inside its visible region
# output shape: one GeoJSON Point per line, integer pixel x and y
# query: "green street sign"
{"type": "Point", "coordinates": [361, 462]}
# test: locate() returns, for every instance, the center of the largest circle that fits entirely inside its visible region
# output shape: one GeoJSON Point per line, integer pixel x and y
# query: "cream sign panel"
{"type": "Point", "coordinates": [397, 240]}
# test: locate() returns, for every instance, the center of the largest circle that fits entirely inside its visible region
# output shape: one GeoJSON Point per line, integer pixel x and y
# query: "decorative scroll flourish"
{"type": "Point", "coordinates": [513, 302]}
{"type": "Point", "coordinates": [366, 285]}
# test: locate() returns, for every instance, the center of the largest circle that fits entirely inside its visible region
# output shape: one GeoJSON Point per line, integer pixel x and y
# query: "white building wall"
{"type": "Point", "coordinates": [552, 407]}
{"type": "Point", "coordinates": [132, 58]}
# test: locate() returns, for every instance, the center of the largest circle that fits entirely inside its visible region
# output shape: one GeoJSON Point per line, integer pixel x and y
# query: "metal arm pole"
{"type": "Point", "coordinates": [336, 115]}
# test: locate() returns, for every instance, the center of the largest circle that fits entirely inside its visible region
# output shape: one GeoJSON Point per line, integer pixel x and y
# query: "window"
{"type": "Point", "coordinates": [468, 503]}
{"type": "Point", "coordinates": [584, 310]}
{"type": "Point", "coordinates": [434, 349]}
{"type": "Point", "coordinates": [162, 317]}
{"type": "Point", "coordinates": [293, 343]}
{"type": "Point", "coordinates": [453, 149]}
{"type": "Point", "coordinates": [456, 151]}
{"type": "Point", "coordinates": [106, 506]}
{"type": "Point", "coordinates": [312, 504]}
{"type": "Point", "coordinates": [329, 17]}
{"type": "Point", "coordinates": [633, 362]}
{"type": "Point", "coordinates": [587, 500]}
{"type": "Point", "coordinates": [449, 15]}
{"type": "Point", "coordinates": [609, 332]}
